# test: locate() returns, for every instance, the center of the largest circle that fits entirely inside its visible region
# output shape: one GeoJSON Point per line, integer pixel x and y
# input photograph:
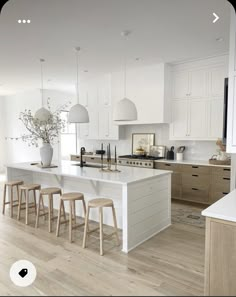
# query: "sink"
{"type": "Point", "coordinates": [88, 165]}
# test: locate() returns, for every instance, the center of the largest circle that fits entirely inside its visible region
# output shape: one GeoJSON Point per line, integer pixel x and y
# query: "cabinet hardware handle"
{"type": "Point", "coordinates": [194, 189]}
{"type": "Point", "coordinates": [226, 169]}
{"type": "Point", "coordinates": [195, 175]}
{"type": "Point", "coordinates": [194, 166]}
{"type": "Point", "coordinates": [226, 178]}
{"type": "Point", "coordinates": [92, 158]}
{"type": "Point", "coordinates": [167, 164]}
{"type": "Point", "coordinates": [225, 193]}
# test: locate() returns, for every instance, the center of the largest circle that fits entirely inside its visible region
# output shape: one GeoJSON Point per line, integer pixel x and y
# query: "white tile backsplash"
{"type": "Point", "coordinates": [195, 150]}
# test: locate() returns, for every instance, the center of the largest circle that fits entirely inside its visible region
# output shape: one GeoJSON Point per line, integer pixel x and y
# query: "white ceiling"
{"type": "Point", "coordinates": [162, 30]}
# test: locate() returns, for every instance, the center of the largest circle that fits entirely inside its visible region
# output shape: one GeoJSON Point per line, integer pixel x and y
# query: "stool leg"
{"type": "Point", "coordinates": [4, 199]}
{"type": "Point", "coordinates": [101, 229]}
{"type": "Point", "coordinates": [52, 209]}
{"type": "Point", "coordinates": [19, 205]}
{"type": "Point", "coordinates": [27, 208]}
{"type": "Point", "coordinates": [59, 217]}
{"type": "Point", "coordinates": [11, 202]}
{"type": "Point", "coordinates": [115, 225]}
{"type": "Point", "coordinates": [70, 221]}
{"type": "Point", "coordinates": [35, 203]}
{"type": "Point", "coordinates": [86, 227]}
{"type": "Point", "coordinates": [49, 214]}
{"type": "Point", "coordinates": [17, 193]}
{"type": "Point", "coordinates": [38, 212]}
{"type": "Point", "coordinates": [74, 211]}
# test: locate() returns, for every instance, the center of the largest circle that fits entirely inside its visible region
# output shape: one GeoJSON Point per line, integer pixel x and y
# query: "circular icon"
{"type": "Point", "coordinates": [23, 273]}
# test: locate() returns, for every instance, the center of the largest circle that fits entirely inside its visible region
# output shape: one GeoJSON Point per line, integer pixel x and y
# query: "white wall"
{"type": "Point", "coordinates": [195, 150]}
{"type": "Point", "coordinates": [2, 150]}
{"type": "Point", "coordinates": [18, 151]}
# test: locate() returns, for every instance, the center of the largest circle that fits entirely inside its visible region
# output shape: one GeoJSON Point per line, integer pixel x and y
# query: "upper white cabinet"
{"type": "Point", "coordinates": [95, 95]}
{"type": "Point", "coordinates": [148, 88]}
{"type": "Point", "coordinates": [231, 121]}
{"type": "Point", "coordinates": [198, 88]}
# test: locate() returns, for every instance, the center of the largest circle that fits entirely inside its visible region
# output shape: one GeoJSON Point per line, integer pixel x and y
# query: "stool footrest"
{"type": "Point", "coordinates": [105, 236]}
{"type": "Point", "coordinates": [91, 231]}
{"type": "Point", "coordinates": [78, 225]}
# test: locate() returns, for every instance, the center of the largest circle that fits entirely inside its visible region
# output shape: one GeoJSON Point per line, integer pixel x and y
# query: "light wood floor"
{"type": "Point", "coordinates": [171, 263]}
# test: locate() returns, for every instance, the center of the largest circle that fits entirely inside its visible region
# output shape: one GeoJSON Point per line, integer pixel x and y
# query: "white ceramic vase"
{"type": "Point", "coordinates": [46, 153]}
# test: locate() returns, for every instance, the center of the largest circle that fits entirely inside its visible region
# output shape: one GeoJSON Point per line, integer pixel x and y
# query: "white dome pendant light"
{"type": "Point", "coordinates": [78, 113]}
{"type": "Point", "coordinates": [42, 114]}
{"type": "Point", "coordinates": [125, 109]}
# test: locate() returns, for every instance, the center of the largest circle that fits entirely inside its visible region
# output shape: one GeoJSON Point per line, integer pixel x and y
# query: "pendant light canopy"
{"type": "Point", "coordinates": [125, 109]}
{"type": "Point", "coordinates": [42, 114]}
{"type": "Point", "coordinates": [78, 113]}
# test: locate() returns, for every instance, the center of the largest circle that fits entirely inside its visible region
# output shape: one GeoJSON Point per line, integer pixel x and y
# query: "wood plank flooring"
{"type": "Point", "coordinates": [171, 263]}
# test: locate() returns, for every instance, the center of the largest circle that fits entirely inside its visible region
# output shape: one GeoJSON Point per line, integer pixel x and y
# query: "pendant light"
{"type": "Point", "coordinates": [125, 109]}
{"type": "Point", "coordinates": [78, 113]}
{"type": "Point", "coordinates": [42, 114]}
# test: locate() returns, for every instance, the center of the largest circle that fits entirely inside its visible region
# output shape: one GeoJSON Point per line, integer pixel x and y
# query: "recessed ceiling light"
{"type": "Point", "coordinates": [137, 59]}
{"type": "Point", "coordinates": [219, 39]}
{"type": "Point", "coordinates": [85, 70]}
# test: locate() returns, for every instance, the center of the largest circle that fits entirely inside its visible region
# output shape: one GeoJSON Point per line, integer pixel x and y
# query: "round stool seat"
{"type": "Point", "coordinates": [14, 183]}
{"type": "Point", "coordinates": [50, 191]}
{"type": "Point", "coordinates": [72, 196]}
{"type": "Point", "coordinates": [30, 187]}
{"type": "Point", "coordinates": [100, 202]}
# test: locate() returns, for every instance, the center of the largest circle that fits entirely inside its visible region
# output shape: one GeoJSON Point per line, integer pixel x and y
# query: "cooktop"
{"type": "Point", "coordinates": [141, 157]}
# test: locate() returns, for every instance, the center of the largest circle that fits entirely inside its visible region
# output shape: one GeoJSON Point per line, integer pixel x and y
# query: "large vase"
{"type": "Point", "coordinates": [46, 153]}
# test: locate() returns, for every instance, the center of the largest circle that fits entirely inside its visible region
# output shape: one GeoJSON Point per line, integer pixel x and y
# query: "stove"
{"type": "Point", "coordinates": [138, 161]}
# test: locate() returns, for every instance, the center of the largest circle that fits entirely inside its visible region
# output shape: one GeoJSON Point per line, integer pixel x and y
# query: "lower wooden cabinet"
{"type": "Point", "coordinates": [197, 183]}
{"type": "Point", "coordinates": [220, 259]}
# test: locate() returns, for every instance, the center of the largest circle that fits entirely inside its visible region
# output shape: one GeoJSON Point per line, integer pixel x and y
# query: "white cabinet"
{"type": "Point", "coordinates": [186, 83]}
{"type": "Point", "coordinates": [179, 118]}
{"type": "Point", "coordinates": [197, 122]}
{"type": "Point", "coordinates": [231, 121]}
{"type": "Point", "coordinates": [95, 95]}
{"type": "Point", "coordinates": [197, 99]}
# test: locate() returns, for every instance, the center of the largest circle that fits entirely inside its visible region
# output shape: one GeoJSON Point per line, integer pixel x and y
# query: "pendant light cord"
{"type": "Point", "coordinates": [41, 64]}
{"type": "Point", "coordinates": [77, 72]}
{"type": "Point", "coordinates": [125, 35]}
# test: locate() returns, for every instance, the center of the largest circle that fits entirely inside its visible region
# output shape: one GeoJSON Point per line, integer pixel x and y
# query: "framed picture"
{"type": "Point", "coordinates": [142, 141]}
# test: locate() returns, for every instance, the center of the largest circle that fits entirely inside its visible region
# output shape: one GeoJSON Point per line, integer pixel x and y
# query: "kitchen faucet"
{"type": "Point", "coordinates": [82, 152]}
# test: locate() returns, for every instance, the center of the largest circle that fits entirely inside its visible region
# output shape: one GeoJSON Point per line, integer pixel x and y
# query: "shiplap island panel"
{"type": "Point", "coordinates": [142, 197]}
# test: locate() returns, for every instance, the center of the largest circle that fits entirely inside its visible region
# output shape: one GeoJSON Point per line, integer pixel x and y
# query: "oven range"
{"type": "Point", "coordinates": [138, 161]}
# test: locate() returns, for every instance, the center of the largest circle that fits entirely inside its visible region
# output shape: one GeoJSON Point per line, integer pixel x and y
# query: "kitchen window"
{"type": "Point", "coordinates": [68, 135]}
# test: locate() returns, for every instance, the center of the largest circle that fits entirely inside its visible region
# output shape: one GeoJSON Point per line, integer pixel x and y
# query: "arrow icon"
{"type": "Point", "coordinates": [216, 17]}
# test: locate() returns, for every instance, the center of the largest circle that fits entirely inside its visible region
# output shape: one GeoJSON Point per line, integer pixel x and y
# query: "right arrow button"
{"type": "Point", "coordinates": [216, 17]}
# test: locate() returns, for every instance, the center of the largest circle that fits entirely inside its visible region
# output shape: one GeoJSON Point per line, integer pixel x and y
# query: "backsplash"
{"type": "Point", "coordinates": [195, 150]}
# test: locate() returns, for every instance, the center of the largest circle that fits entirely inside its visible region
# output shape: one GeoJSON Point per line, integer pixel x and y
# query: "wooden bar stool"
{"type": "Point", "coordinates": [72, 198]}
{"type": "Point", "coordinates": [13, 203]}
{"type": "Point", "coordinates": [100, 203]}
{"type": "Point", "coordinates": [26, 190]}
{"type": "Point", "coordinates": [50, 192]}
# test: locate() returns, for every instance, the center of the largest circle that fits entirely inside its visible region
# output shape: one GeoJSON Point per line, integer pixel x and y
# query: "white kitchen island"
{"type": "Point", "coordinates": [142, 197]}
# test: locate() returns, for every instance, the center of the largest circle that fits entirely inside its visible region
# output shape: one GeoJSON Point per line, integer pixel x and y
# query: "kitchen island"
{"type": "Point", "coordinates": [142, 197]}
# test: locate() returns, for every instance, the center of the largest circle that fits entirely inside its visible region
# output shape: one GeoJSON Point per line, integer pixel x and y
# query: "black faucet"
{"type": "Point", "coordinates": [82, 151]}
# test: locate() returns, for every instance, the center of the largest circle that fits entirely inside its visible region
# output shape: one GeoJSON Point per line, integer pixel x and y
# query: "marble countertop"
{"type": "Point", "coordinates": [67, 168]}
{"type": "Point", "coordinates": [224, 209]}
{"type": "Point", "coordinates": [191, 162]}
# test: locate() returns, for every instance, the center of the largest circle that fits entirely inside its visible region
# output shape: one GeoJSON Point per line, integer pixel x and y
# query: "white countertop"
{"type": "Point", "coordinates": [224, 209]}
{"type": "Point", "coordinates": [65, 168]}
{"type": "Point", "coordinates": [191, 162]}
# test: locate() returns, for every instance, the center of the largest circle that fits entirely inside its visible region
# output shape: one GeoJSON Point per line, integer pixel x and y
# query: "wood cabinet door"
{"type": "Point", "coordinates": [180, 84]}
{"type": "Point", "coordinates": [221, 250]}
{"type": "Point", "coordinates": [198, 83]}
{"type": "Point", "coordinates": [197, 119]}
{"type": "Point", "coordinates": [215, 118]}
{"type": "Point", "coordinates": [179, 125]}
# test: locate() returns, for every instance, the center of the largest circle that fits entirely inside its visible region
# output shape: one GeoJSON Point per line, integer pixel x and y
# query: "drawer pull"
{"type": "Point", "coordinates": [194, 166]}
{"type": "Point", "coordinates": [194, 189]}
{"type": "Point", "coordinates": [196, 175]}
{"type": "Point", "coordinates": [92, 158]}
{"type": "Point", "coordinates": [226, 178]}
{"type": "Point", "coordinates": [226, 169]}
{"type": "Point", "coordinates": [167, 164]}
{"type": "Point", "coordinates": [225, 193]}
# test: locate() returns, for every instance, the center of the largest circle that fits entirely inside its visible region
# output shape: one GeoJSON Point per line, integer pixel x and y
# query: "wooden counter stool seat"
{"type": "Point", "coordinates": [100, 203]}
{"type": "Point", "coordinates": [71, 198]}
{"type": "Point", "coordinates": [26, 189]}
{"type": "Point", "coordinates": [49, 192]}
{"type": "Point", "coordinates": [13, 203]}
